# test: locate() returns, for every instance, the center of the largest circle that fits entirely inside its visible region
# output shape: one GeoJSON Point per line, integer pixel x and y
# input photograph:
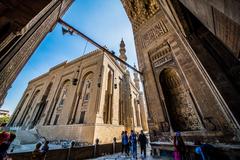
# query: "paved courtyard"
{"type": "Point", "coordinates": [120, 156]}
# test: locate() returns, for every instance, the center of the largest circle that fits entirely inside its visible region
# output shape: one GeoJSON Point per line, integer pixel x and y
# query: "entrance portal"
{"type": "Point", "coordinates": [179, 105]}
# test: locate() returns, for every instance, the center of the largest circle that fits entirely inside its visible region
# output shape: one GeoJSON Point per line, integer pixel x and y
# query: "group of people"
{"type": "Point", "coordinates": [6, 139]}
{"type": "Point", "coordinates": [40, 153]}
{"type": "Point", "coordinates": [202, 151]}
{"type": "Point", "coordinates": [129, 143]}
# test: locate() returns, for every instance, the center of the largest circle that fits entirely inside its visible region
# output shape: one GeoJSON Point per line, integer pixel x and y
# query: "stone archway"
{"type": "Point", "coordinates": [180, 110]}
{"type": "Point", "coordinates": [40, 109]}
{"type": "Point", "coordinates": [108, 110]}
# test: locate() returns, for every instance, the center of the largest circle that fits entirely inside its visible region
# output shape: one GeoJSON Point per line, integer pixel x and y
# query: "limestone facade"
{"type": "Point", "coordinates": [186, 72]}
{"type": "Point", "coordinates": [88, 98]}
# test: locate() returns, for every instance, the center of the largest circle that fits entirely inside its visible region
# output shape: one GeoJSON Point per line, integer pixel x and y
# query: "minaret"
{"type": "Point", "coordinates": [136, 79]}
{"type": "Point", "coordinates": [122, 55]}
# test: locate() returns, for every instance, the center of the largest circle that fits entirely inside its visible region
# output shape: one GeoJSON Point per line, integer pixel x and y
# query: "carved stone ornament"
{"type": "Point", "coordinates": [140, 10]}
{"type": "Point", "coordinates": [181, 112]}
{"type": "Point", "coordinates": [161, 54]}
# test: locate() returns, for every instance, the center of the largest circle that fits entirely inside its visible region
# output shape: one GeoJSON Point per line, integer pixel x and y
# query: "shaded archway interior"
{"type": "Point", "coordinates": [180, 110]}
{"type": "Point", "coordinates": [221, 64]}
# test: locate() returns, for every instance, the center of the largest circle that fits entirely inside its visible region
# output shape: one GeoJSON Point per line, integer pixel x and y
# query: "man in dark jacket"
{"type": "Point", "coordinates": [125, 143]}
{"type": "Point", "coordinates": [142, 139]}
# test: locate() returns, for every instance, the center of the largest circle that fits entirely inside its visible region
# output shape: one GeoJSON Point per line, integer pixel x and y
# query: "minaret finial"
{"type": "Point", "coordinates": [122, 55]}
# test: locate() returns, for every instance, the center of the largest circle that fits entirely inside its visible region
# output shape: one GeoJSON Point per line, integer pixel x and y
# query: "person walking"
{"type": "Point", "coordinates": [45, 149]}
{"type": "Point", "coordinates": [142, 139]}
{"type": "Point", "coordinates": [179, 147]}
{"type": "Point", "coordinates": [133, 141]}
{"type": "Point", "coordinates": [122, 135]}
{"type": "Point", "coordinates": [37, 154]}
{"type": "Point", "coordinates": [125, 143]}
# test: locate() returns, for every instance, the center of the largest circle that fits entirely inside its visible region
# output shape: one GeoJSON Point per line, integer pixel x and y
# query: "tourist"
{"type": "Point", "coordinates": [45, 148]}
{"type": "Point", "coordinates": [142, 139]}
{"type": "Point", "coordinates": [133, 141]}
{"type": "Point", "coordinates": [122, 135]}
{"type": "Point", "coordinates": [6, 140]}
{"type": "Point", "coordinates": [4, 136]}
{"type": "Point", "coordinates": [125, 143]}
{"type": "Point", "coordinates": [179, 147]}
{"type": "Point", "coordinates": [37, 154]}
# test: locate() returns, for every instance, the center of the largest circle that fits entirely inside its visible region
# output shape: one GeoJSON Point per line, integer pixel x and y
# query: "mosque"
{"type": "Point", "coordinates": [92, 97]}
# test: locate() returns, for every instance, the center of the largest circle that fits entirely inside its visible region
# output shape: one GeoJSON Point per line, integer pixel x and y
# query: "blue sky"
{"type": "Point", "coordinates": [105, 21]}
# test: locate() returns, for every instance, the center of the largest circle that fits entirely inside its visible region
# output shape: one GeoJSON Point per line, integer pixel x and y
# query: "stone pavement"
{"type": "Point", "coordinates": [120, 156]}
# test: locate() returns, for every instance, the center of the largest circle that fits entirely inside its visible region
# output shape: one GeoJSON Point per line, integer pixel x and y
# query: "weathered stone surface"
{"type": "Point", "coordinates": [169, 47]}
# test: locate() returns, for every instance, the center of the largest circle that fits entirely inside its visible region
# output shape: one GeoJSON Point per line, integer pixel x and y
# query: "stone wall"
{"type": "Point", "coordinates": [82, 132]}
{"type": "Point", "coordinates": [174, 77]}
{"type": "Point", "coordinates": [106, 132]}
{"type": "Point", "coordinates": [78, 132]}
{"type": "Point", "coordinates": [74, 153]}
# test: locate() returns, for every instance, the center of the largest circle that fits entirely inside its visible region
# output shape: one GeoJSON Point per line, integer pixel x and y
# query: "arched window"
{"type": "Point", "coordinates": [42, 105]}
{"type": "Point", "coordinates": [121, 109]}
{"type": "Point", "coordinates": [61, 94]}
{"type": "Point", "coordinates": [181, 113]}
{"type": "Point", "coordinates": [107, 113]}
{"type": "Point", "coordinates": [62, 99]}
{"type": "Point", "coordinates": [29, 108]}
{"type": "Point", "coordinates": [137, 112]}
{"type": "Point", "coordinates": [82, 101]}
{"type": "Point", "coordinates": [85, 94]}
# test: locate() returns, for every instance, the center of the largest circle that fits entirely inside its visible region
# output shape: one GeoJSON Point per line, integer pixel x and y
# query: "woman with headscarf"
{"type": "Point", "coordinates": [179, 147]}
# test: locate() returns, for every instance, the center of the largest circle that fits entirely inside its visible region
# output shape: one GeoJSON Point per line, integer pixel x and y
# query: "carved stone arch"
{"type": "Point", "coordinates": [121, 109]}
{"type": "Point", "coordinates": [85, 77]}
{"type": "Point", "coordinates": [85, 95]}
{"type": "Point", "coordinates": [56, 100]}
{"type": "Point", "coordinates": [137, 112]}
{"type": "Point", "coordinates": [28, 107]}
{"type": "Point", "coordinates": [42, 105]}
{"type": "Point", "coordinates": [181, 112]}
{"type": "Point", "coordinates": [73, 116]}
{"type": "Point", "coordinates": [108, 110]}
{"type": "Point", "coordinates": [64, 88]}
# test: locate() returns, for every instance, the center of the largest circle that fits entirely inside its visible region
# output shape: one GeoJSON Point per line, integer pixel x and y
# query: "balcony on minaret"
{"type": "Point", "coordinates": [136, 79]}
{"type": "Point", "coordinates": [122, 55]}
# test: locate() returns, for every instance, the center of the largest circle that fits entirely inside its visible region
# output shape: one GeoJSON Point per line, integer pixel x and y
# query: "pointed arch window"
{"type": "Point", "coordinates": [29, 108]}
{"type": "Point", "coordinates": [85, 95]}
{"type": "Point", "coordinates": [64, 93]}
{"type": "Point", "coordinates": [108, 110]}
